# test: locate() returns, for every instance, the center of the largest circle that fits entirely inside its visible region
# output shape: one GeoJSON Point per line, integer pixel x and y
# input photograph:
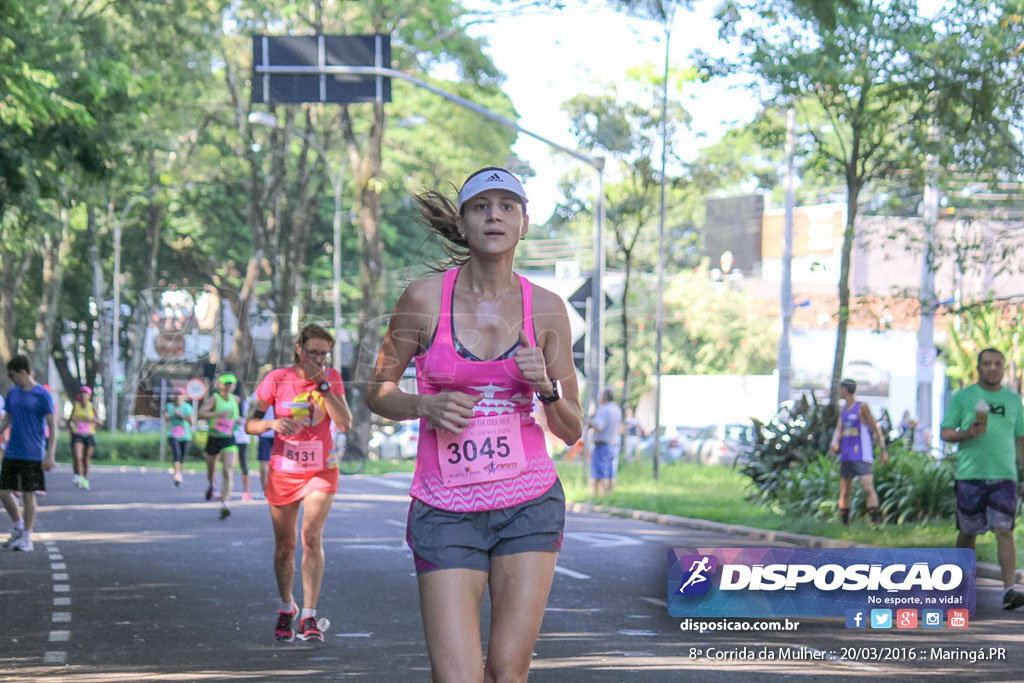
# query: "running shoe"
{"type": "Point", "coordinates": [283, 632]}
{"type": "Point", "coordinates": [15, 535]}
{"type": "Point", "coordinates": [177, 480]}
{"type": "Point", "coordinates": [312, 629]}
{"type": "Point", "coordinates": [209, 492]}
{"type": "Point", "coordinates": [85, 483]}
{"type": "Point", "coordinates": [1013, 598]}
{"type": "Point", "coordinates": [24, 544]}
{"type": "Point", "coordinates": [74, 480]}
{"type": "Point", "coordinates": [40, 493]}
{"type": "Point", "coordinates": [246, 497]}
{"type": "Point", "coordinates": [225, 512]}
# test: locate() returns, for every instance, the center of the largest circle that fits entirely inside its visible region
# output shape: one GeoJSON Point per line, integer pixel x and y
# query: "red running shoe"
{"type": "Point", "coordinates": [283, 632]}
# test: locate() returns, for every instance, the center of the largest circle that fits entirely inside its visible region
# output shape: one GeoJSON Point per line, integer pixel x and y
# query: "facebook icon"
{"type": "Point", "coordinates": [856, 618]}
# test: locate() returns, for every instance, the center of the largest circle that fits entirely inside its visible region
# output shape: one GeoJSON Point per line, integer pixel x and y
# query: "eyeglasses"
{"type": "Point", "coordinates": [316, 354]}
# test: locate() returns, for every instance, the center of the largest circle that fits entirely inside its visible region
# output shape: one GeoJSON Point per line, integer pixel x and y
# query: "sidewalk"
{"type": "Point", "coordinates": [984, 569]}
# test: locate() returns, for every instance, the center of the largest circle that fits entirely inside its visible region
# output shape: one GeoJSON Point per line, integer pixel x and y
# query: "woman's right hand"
{"type": "Point", "coordinates": [285, 426]}
{"type": "Point", "coordinates": [448, 410]}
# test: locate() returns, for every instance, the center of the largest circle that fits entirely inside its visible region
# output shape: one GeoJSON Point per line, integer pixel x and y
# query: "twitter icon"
{"type": "Point", "coordinates": [881, 618]}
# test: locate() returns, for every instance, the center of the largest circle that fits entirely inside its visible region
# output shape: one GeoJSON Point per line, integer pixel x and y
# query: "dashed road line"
{"type": "Point", "coordinates": [61, 588]}
{"type": "Point", "coordinates": [51, 657]}
{"type": "Point", "coordinates": [60, 636]}
{"type": "Point", "coordinates": [570, 573]}
{"type": "Point", "coordinates": [61, 602]}
{"type": "Point", "coordinates": [61, 617]}
{"type": "Point", "coordinates": [60, 577]}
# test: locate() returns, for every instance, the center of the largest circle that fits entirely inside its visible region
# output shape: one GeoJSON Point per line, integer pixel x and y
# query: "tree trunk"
{"type": "Point", "coordinates": [852, 193]}
{"type": "Point", "coordinates": [371, 278]}
{"type": "Point", "coordinates": [55, 256]}
{"type": "Point", "coordinates": [12, 276]}
{"type": "Point", "coordinates": [145, 305]}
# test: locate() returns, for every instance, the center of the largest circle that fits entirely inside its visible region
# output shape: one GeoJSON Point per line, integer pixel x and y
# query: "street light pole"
{"type": "Point", "coordinates": [337, 180]}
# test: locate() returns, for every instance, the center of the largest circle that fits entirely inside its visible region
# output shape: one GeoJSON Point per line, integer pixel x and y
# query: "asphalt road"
{"type": "Point", "coordinates": [137, 579]}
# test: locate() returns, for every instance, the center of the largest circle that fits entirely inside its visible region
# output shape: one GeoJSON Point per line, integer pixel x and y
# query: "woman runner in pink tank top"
{"type": "Point", "coordinates": [487, 510]}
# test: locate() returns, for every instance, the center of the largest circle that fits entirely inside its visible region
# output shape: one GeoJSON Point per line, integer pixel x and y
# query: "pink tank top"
{"type": "Point", "coordinates": [505, 391]}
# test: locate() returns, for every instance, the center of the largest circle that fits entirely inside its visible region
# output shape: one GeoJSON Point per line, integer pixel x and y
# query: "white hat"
{"type": "Point", "coordinates": [490, 179]}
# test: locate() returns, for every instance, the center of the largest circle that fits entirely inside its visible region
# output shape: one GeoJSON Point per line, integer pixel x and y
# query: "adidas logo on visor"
{"type": "Point", "coordinates": [493, 178]}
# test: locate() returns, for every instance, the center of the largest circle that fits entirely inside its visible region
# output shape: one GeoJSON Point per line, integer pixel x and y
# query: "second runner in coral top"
{"type": "Point", "coordinates": [296, 458]}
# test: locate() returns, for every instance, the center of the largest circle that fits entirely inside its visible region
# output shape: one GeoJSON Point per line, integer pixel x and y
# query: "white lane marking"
{"type": "Point", "coordinates": [633, 632]}
{"type": "Point", "coordinates": [61, 617]}
{"type": "Point", "coordinates": [237, 543]}
{"type": "Point", "coordinates": [656, 601]}
{"type": "Point", "coordinates": [61, 602]}
{"type": "Point", "coordinates": [59, 636]}
{"type": "Point", "coordinates": [60, 577]}
{"type": "Point", "coordinates": [395, 522]}
{"type": "Point", "coordinates": [391, 484]}
{"type": "Point", "coordinates": [600, 540]}
{"type": "Point", "coordinates": [58, 565]}
{"type": "Point", "coordinates": [54, 657]}
{"type": "Point", "coordinates": [572, 609]}
{"type": "Point", "coordinates": [353, 635]}
{"type": "Point", "coordinates": [56, 556]}
{"type": "Point", "coordinates": [570, 573]}
{"type": "Point", "coordinates": [371, 546]}
{"type": "Point", "coordinates": [61, 588]}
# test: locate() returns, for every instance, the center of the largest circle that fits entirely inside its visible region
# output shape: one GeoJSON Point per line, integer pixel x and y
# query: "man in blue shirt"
{"type": "Point", "coordinates": [29, 453]}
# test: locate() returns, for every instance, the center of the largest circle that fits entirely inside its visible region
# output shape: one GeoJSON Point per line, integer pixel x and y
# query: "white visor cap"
{"type": "Point", "coordinates": [491, 179]}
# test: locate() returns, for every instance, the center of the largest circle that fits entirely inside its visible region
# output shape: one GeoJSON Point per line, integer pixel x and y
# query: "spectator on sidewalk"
{"type": "Point", "coordinates": [31, 449]}
{"type": "Point", "coordinates": [605, 424]}
{"type": "Point", "coordinates": [987, 422]}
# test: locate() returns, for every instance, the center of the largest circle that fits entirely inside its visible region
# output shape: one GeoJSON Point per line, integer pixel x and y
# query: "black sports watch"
{"type": "Point", "coordinates": [554, 396]}
{"type": "Point", "coordinates": [324, 387]}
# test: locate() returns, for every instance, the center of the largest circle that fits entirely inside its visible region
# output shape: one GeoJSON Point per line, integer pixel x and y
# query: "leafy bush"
{"type": "Point", "coordinates": [120, 446]}
{"type": "Point", "coordinates": [795, 437]}
{"type": "Point", "coordinates": [810, 490]}
{"type": "Point", "coordinates": [915, 487]}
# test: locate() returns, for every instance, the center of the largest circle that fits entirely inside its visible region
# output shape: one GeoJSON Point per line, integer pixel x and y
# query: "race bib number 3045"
{"type": "Point", "coordinates": [489, 449]}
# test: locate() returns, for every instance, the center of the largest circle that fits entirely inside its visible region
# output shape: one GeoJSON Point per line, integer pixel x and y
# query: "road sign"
{"type": "Point", "coordinates": [926, 365]}
{"type": "Point", "coordinates": [294, 69]}
{"type": "Point", "coordinates": [195, 388]}
{"type": "Point", "coordinates": [578, 299]}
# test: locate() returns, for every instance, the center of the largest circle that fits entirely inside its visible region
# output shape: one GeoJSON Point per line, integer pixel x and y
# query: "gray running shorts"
{"type": "Point", "coordinates": [848, 469]}
{"type": "Point", "coordinates": [467, 540]}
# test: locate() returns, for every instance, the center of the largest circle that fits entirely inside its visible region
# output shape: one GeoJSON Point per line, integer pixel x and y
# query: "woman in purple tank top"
{"type": "Point", "coordinates": [488, 509]}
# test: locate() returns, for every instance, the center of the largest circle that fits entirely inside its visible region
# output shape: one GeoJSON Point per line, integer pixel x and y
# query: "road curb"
{"type": "Point", "coordinates": [984, 569]}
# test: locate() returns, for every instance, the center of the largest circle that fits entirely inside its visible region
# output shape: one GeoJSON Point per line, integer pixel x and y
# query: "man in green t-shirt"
{"type": "Point", "coordinates": [987, 421]}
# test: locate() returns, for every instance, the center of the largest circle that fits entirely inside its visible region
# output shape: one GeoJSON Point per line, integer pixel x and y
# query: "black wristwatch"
{"type": "Point", "coordinates": [324, 387]}
{"type": "Point", "coordinates": [554, 396]}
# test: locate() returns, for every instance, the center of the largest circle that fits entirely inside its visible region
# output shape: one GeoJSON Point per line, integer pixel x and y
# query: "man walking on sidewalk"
{"type": "Point", "coordinates": [987, 421]}
{"type": "Point", "coordinates": [29, 453]}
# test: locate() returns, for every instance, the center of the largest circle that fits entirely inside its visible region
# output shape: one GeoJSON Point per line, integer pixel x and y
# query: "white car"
{"type": "Point", "coordinates": [399, 441]}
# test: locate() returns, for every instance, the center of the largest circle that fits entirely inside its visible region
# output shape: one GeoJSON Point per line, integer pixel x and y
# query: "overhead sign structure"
{"type": "Point", "coordinates": [296, 69]}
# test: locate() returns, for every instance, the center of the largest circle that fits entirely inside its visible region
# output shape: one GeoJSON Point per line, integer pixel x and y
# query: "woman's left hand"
{"type": "Point", "coordinates": [530, 361]}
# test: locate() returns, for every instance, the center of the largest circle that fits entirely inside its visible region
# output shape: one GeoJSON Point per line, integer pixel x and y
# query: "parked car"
{"type": "Point", "coordinates": [142, 424]}
{"type": "Point", "coordinates": [675, 439]}
{"type": "Point", "coordinates": [865, 373]}
{"type": "Point", "coordinates": [721, 444]}
{"type": "Point", "coordinates": [397, 441]}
